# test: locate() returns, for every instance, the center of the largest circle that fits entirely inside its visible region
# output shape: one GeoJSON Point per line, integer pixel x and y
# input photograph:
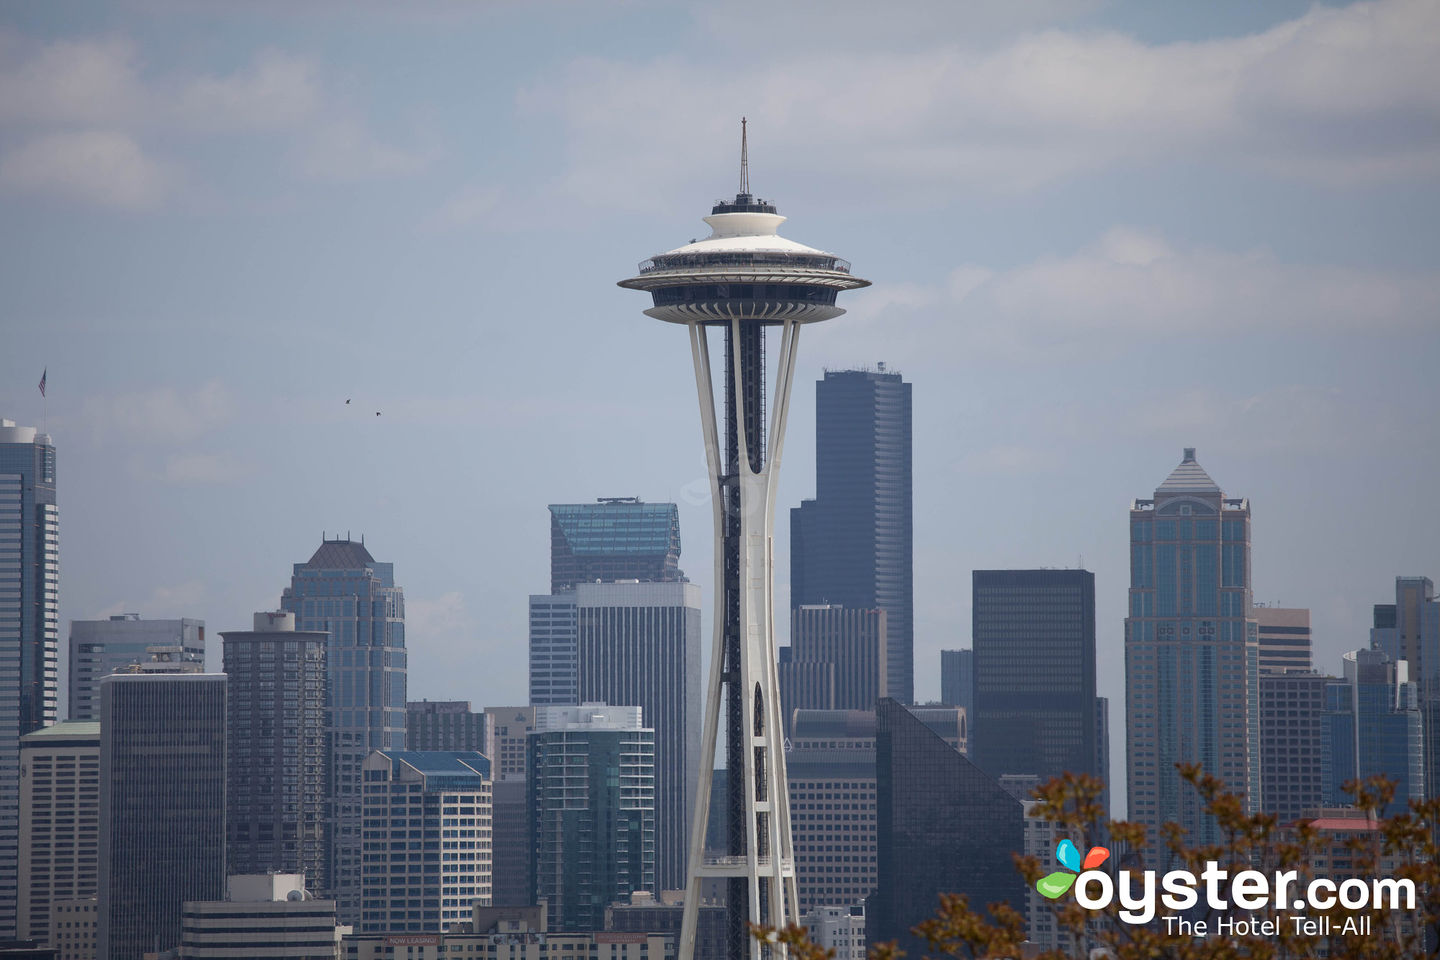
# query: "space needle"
{"type": "Point", "coordinates": [742, 281]}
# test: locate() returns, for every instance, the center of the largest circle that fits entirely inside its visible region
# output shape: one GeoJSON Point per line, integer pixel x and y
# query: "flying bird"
{"type": "Point", "coordinates": [347, 401]}
{"type": "Point", "coordinates": [377, 413]}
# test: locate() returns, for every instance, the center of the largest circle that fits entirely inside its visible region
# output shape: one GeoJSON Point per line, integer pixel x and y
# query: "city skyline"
{"type": "Point", "coordinates": [1321, 262]}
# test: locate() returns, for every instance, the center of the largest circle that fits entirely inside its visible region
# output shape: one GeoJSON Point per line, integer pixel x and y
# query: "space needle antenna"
{"type": "Point", "coordinates": [744, 159]}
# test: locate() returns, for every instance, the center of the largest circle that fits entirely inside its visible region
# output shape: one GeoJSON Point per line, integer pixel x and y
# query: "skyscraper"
{"type": "Point", "coordinates": [445, 725]}
{"type": "Point", "coordinates": [278, 785]}
{"type": "Point", "coordinates": [1192, 652]}
{"type": "Point", "coordinates": [854, 641]}
{"type": "Point", "coordinates": [1034, 636]}
{"type": "Point", "coordinates": [742, 280]}
{"type": "Point", "coordinates": [416, 801]}
{"type": "Point", "coordinates": [614, 538]}
{"type": "Point", "coordinates": [942, 825]}
{"type": "Point", "coordinates": [852, 544]}
{"type": "Point", "coordinates": [162, 806]}
{"type": "Point", "coordinates": [341, 590]}
{"type": "Point", "coordinates": [99, 648]}
{"type": "Point", "coordinates": [591, 794]}
{"type": "Point", "coordinates": [1374, 728]}
{"type": "Point", "coordinates": [1409, 630]}
{"type": "Point", "coordinates": [508, 732]}
{"type": "Point", "coordinates": [638, 644]}
{"type": "Point", "coordinates": [957, 679]}
{"type": "Point", "coordinates": [29, 624]}
{"type": "Point", "coordinates": [59, 823]}
{"type": "Point", "coordinates": [554, 672]}
{"type": "Point", "coordinates": [1284, 639]}
{"type": "Point", "coordinates": [1296, 759]}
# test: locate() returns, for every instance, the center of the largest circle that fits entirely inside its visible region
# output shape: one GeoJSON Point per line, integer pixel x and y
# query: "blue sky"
{"type": "Point", "coordinates": [1097, 232]}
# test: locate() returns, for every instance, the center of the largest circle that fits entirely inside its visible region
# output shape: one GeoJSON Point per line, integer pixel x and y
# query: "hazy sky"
{"type": "Point", "coordinates": [1097, 232]}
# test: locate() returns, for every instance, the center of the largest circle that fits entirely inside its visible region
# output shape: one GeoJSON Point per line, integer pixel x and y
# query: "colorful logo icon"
{"type": "Point", "coordinates": [1054, 885]}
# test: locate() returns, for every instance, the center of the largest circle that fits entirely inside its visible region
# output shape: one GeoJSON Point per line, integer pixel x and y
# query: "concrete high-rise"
{"type": "Point", "coordinates": [591, 793]}
{"type": "Point", "coordinates": [99, 648]}
{"type": "Point", "coordinates": [1284, 639]}
{"type": "Point", "coordinates": [853, 544]}
{"type": "Point", "coordinates": [270, 916]}
{"type": "Point", "coordinates": [1192, 651]}
{"type": "Point", "coordinates": [29, 625]}
{"type": "Point", "coordinates": [1295, 753]}
{"type": "Point", "coordinates": [638, 644]}
{"type": "Point", "coordinates": [942, 826]}
{"type": "Point", "coordinates": [343, 591]}
{"type": "Point", "coordinates": [278, 788]}
{"type": "Point", "coordinates": [508, 732]}
{"type": "Point", "coordinates": [59, 824]}
{"type": "Point", "coordinates": [1034, 643]}
{"type": "Point", "coordinates": [162, 806]}
{"type": "Point", "coordinates": [957, 679]}
{"type": "Point", "coordinates": [855, 641]}
{"type": "Point", "coordinates": [424, 801]}
{"type": "Point", "coordinates": [614, 538]}
{"type": "Point", "coordinates": [445, 725]}
{"type": "Point", "coordinates": [741, 280]}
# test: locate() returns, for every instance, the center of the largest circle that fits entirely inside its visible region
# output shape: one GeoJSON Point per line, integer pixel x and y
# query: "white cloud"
{"type": "Point", "coordinates": [103, 167]}
{"type": "Point", "coordinates": [196, 469]}
{"type": "Point", "coordinates": [346, 149]}
{"type": "Point", "coordinates": [163, 415]}
{"type": "Point", "coordinates": [74, 82]}
{"type": "Point", "coordinates": [472, 204]}
{"type": "Point", "coordinates": [1130, 284]}
{"type": "Point", "coordinates": [278, 91]}
{"type": "Point", "coordinates": [1343, 95]}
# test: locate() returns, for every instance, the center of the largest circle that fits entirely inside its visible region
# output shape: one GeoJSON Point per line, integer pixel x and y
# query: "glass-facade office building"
{"type": "Point", "coordinates": [29, 625]}
{"type": "Point", "coordinates": [343, 591]}
{"type": "Point", "coordinates": [99, 648]}
{"type": "Point", "coordinates": [162, 806]}
{"type": "Point", "coordinates": [591, 795]}
{"type": "Point", "coordinates": [942, 826]}
{"type": "Point", "coordinates": [1192, 653]}
{"type": "Point", "coordinates": [1034, 683]}
{"type": "Point", "coordinates": [853, 544]}
{"type": "Point", "coordinates": [617, 538]}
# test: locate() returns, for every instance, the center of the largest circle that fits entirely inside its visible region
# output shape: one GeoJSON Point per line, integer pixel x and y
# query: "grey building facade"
{"type": "Point", "coordinates": [1284, 639]}
{"type": "Point", "coordinates": [343, 591]}
{"type": "Point", "coordinates": [957, 679]}
{"type": "Point", "coordinates": [853, 544]}
{"type": "Point", "coordinates": [99, 648]}
{"type": "Point", "coordinates": [445, 725]}
{"type": "Point", "coordinates": [277, 817]}
{"type": "Point", "coordinates": [1034, 637]}
{"type": "Point", "coordinates": [59, 825]}
{"type": "Point", "coordinates": [29, 625]}
{"type": "Point", "coordinates": [162, 806]}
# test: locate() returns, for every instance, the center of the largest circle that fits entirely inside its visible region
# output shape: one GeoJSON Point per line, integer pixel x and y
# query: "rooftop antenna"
{"type": "Point", "coordinates": [744, 159]}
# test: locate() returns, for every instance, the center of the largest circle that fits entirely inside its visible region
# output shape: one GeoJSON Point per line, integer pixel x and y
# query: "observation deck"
{"type": "Point", "coordinates": [744, 270]}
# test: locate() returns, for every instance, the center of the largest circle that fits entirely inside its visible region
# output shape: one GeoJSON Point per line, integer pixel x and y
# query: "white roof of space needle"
{"type": "Point", "coordinates": [744, 269]}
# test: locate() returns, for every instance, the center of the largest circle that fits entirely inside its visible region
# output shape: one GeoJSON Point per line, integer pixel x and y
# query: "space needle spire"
{"type": "Point", "coordinates": [741, 285]}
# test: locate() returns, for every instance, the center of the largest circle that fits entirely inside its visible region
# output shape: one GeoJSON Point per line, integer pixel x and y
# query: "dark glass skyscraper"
{"type": "Point", "coordinates": [957, 679]}
{"type": "Point", "coordinates": [1034, 636]}
{"type": "Point", "coordinates": [162, 806]}
{"type": "Point", "coordinates": [344, 592]}
{"type": "Point", "coordinates": [279, 780]}
{"type": "Point", "coordinates": [614, 538]}
{"type": "Point", "coordinates": [942, 826]}
{"type": "Point", "coordinates": [852, 544]}
{"type": "Point", "coordinates": [29, 625]}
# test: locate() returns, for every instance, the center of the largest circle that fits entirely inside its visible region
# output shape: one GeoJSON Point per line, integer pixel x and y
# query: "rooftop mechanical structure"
{"type": "Point", "coordinates": [740, 283]}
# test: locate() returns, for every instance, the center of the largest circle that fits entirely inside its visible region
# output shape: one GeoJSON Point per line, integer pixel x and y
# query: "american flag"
{"type": "Point", "coordinates": [43, 374]}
